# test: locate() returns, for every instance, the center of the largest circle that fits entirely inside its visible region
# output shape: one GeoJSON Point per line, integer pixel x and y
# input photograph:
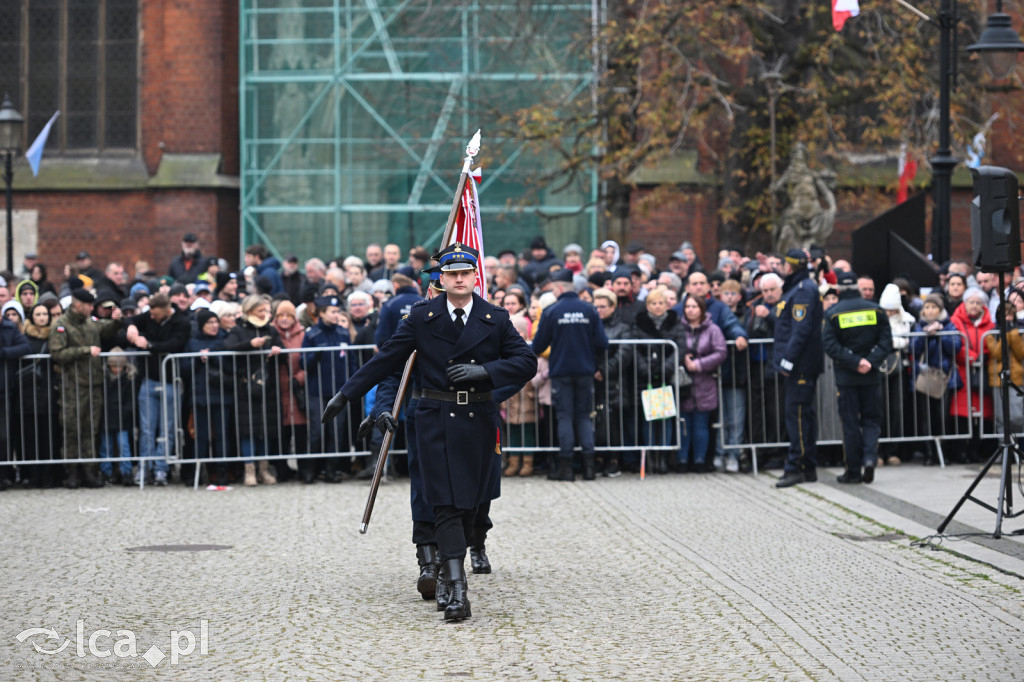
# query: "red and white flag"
{"type": "Point", "coordinates": [468, 229]}
{"type": "Point", "coordinates": [907, 170]}
{"type": "Point", "coordinates": [843, 10]}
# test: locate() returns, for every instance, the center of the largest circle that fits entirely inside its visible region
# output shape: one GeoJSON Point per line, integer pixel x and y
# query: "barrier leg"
{"type": "Point", "coordinates": [938, 451]}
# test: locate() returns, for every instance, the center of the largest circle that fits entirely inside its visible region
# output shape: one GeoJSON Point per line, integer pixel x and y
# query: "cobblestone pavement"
{"type": "Point", "coordinates": [675, 577]}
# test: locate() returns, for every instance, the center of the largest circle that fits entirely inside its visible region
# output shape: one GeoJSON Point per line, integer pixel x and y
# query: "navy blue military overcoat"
{"type": "Point", "coordinates": [456, 442]}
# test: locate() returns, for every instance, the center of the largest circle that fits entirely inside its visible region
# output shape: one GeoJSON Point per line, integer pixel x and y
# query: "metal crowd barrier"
{"type": "Point", "coordinates": [224, 407]}
{"type": "Point", "coordinates": [627, 367]}
{"type": "Point", "coordinates": [907, 415]}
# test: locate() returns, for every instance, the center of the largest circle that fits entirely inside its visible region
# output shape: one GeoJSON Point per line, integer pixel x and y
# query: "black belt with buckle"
{"type": "Point", "coordinates": [459, 397]}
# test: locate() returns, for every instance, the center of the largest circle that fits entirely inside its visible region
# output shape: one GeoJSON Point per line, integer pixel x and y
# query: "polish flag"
{"type": "Point", "coordinates": [843, 10]}
{"type": "Point", "coordinates": [907, 170]}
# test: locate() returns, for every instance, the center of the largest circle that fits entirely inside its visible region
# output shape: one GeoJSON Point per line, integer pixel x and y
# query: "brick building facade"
{"type": "Point", "coordinates": [182, 176]}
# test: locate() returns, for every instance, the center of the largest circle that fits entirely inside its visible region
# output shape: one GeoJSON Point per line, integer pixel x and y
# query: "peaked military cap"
{"type": "Point", "coordinates": [457, 257]}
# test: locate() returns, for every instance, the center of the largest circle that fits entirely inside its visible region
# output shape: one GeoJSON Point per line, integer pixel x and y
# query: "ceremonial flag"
{"type": "Point", "coordinates": [843, 10]}
{"type": "Point", "coordinates": [907, 170]}
{"type": "Point", "coordinates": [468, 229]}
{"type": "Point", "coordinates": [35, 151]}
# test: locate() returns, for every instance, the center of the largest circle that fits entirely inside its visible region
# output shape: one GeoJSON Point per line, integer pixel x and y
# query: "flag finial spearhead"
{"type": "Point", "coordinates": [473, 148]}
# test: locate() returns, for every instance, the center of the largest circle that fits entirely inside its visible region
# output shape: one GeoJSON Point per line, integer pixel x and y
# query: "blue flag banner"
{"type": "Point", "coordinates": [35, 152]}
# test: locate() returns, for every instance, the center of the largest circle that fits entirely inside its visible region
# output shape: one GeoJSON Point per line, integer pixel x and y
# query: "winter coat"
{"type": "Point", "coordinates": [326, 370]}
{"type": "Point", "coordinates": [995, 363]}
{"type": "Point", "coordinates": [937, 351]}
{"type": "Point", "coordinates": [292, 378]}
{"type": "Point", "coordinates": [616, 365]}
{"type": "Point", "coordinates": [522, 407]}
{"type": "Point", "coordinates": [212, 382]}
{"type": "Point", "coordinates": [900, 325]}
{"type": "Point", "coordinates": [970, 354]}
{"type": "Point", "coordinates": [706, 344]}
{"type": "Point", "coordinates": [657, 364]}
{"type": "Point", "coordinates": [257, 392]}
{"type": "Point", "coordinates": [36, 382]}
{"type": "Point", "coordinates": [574, 332]}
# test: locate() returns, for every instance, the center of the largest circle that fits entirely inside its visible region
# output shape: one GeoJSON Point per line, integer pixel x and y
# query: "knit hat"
{"type": "Point", "coordinates": [935, 299]}
{"type": "Point", "coordinates": [204, 315]}
{"type": "Point", "coordinates": [890, 299]}
{"type": "Point", "coordinates": [285, 308]}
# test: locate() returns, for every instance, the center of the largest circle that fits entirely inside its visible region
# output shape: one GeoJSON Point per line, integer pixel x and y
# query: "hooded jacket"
{"type": "Point", "coordinates": [970, 353]}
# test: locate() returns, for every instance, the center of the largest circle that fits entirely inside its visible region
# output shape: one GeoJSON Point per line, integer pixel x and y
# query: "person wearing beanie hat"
{"type": "Point", "coordinates": [799, 358]}
{"type": "Point", "coordinates": [858, 338]}
{"type": "Point", "coordinates": [542, 259]}
{"type": "Point", "coordinates": [933, 348]}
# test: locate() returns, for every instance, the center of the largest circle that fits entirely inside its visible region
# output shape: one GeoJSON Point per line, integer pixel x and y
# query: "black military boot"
{"type": "Point", "coordinates": [441, 592]}
{"type": "Point", "coordinates": [478, 559]}
{"type": "Point", "coordinates": [565, 470]}
{"type": "Point", "coordinates": [426, 557]}
{"type": "Point", "coordinates": [589, 473]}
{"type": "Point", "coordinates": [458, 597]}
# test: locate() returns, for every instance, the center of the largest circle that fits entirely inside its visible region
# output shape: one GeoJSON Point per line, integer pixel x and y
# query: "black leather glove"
{"type": "Point", "coordinates": [386, 422]}
{"type": "Point", "coordinates": [365, 427]}
{"type": "Point", "coordinates": [460, 373]}
{"type": "Point", "coordinates": [335, 407]}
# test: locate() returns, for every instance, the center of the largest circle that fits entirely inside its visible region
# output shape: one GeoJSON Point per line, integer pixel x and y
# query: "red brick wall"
{"type": "Point", "coordinates": [687, 215]}
{"type": "Point", "coordinates": [690, 214]}
{"type": "Point", "coordinates": [128, 226]}
{"type": "Point", "coordinates": [188, 104]}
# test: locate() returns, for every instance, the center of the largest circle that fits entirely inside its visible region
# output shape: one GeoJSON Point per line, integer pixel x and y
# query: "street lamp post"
{"type": "Point", "coordinates": [998, 47]}
{"type": "Point", "coordinates": [10, 139]}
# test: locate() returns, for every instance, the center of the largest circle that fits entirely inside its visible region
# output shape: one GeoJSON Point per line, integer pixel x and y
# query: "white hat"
{"type": "Point", "coordinates": [890, 299]}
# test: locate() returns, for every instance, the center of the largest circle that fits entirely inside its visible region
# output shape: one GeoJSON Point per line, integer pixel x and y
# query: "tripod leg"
{"type": "Point", "coordinates": [967, 495]}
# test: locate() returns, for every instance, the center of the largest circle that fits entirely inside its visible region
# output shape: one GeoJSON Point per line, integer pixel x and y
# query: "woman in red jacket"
{"type": "Point", "coordinates": [971, 318]}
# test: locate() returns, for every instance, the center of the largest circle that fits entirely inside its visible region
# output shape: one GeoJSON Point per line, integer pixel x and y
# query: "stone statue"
{"type": "Point", "coordinates": [805, 221]}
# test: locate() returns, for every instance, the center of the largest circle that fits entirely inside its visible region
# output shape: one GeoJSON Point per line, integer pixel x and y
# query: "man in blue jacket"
{"type": "Point", "coordinates": [799, 358]}
{"type": "Point", "coordinates": [575, 333]}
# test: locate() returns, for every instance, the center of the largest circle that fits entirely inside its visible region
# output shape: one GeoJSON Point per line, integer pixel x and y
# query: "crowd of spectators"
{"type": "Point", "coordinates": [719, 318]}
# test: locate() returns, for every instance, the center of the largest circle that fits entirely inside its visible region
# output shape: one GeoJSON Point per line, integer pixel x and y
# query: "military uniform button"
{"type": "Point", "coordinates": [451, 388]}
{"type": "Point", "coordinates": [450, 361]}
{"type": "Point", "coordinates": [472, 362]}
{"type": "Point", "coordinates": [472, 390]}
{"type": "Point", "coordinates": [451, 414]}
{"type": "Point", "coordinates": [470, 415]}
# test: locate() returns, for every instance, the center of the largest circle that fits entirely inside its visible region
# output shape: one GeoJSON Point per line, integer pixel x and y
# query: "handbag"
{"type": "Point", "coordinates": [257, 381]}
{"type": "Point", "coordinates": [659, 403]}
{"type": "Point", "coordinates": [891, 363]}
{"type": "Point", "coordinates": [931, 381]}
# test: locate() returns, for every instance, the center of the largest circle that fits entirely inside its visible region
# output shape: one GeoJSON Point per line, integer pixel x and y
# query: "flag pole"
{"type": "Point", "coordinates": [472, 149]}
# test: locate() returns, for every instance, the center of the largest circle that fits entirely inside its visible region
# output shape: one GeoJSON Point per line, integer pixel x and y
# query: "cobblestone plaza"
{"type": "Point", "coordinates": [672, 577]}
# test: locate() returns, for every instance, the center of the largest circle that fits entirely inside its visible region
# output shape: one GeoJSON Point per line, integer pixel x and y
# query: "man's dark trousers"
{"type": "Point", "coordinates": [801, 423]}
{"type": "Point", "coordinates": [573, 399]}
{"type": "Point", "coordinates": [860, 410]}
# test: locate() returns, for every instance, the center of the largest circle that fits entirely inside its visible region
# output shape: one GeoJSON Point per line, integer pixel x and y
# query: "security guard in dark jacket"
{"type": "Point", "coordinates": [575, 333]}
{"type": "Point", "coordinates": [799, 358]}
{"type": "Point", "coordinates": [459, 361]}
{"type": "Point", "coordinates": [857, 336]}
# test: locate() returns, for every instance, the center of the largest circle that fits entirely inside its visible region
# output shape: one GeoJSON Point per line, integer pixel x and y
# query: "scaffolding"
{"type": "Point", "coordinates": [355, 116]}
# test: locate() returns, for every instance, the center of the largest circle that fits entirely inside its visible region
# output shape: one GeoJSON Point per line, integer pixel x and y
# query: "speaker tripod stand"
{"type": "Point", "coordinates": [1008, 450]}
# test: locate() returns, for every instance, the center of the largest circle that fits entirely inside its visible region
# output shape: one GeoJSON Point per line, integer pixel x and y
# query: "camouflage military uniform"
{"type": "Point", "coordinates": [81, 381]}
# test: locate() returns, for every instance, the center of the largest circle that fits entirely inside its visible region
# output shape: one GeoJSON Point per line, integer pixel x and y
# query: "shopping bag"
{"type": "Point", "coordinates": [659, 403]}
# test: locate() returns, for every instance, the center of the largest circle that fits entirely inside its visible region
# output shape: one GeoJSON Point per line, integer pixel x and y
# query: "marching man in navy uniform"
{"type": "Point", "coordinates": [799, 358]}
{"type": "Point", "coordinates": [466, 347]}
